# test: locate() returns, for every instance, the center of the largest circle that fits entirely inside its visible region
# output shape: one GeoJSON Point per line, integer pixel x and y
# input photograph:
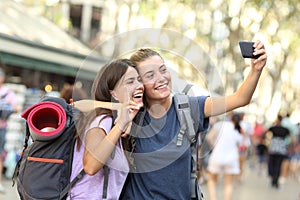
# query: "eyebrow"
{"type": "Point", "coordinates": [163, 65]}
{"type": "Point", "coordinates": [151, 71]}
{"type": "Point", "coordinates": [129, 79]}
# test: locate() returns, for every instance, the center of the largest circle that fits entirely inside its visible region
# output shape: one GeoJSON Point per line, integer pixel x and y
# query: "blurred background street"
{"type": "Point", "coordinates": [49, 45]}
{"type": "Point", "coordinates": [256, 186]}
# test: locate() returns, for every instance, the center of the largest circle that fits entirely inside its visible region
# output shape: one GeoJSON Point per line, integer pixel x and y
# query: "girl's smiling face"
{"type": "Point", "coordinates": [129, 87]}
{"type": "Point", "coordinates": [156, 78]}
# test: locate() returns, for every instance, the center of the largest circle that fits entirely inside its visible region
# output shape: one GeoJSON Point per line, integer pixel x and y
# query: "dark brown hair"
{"type": "Point", "coordinates": [236, 119]}
{"type": "Point", "coordinates": [106, 80]}
{"type": "Point", "coordinates": [72, 92]}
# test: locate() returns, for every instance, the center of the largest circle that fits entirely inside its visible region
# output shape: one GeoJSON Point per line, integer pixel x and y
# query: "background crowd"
{"type": "Point", "coordinates": [271, 150]}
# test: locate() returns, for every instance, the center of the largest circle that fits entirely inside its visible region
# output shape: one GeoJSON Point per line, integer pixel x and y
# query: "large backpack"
{"type": "Point", "coordinates": [44, 169]}
{"type": "Point", "coordinates": [188, 127]}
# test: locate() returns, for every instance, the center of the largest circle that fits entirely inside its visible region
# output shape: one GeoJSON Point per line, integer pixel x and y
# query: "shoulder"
{"type": "Point", "coordinates": [101, 121]}
{"type": "Point", "coordinates": [201, 98]}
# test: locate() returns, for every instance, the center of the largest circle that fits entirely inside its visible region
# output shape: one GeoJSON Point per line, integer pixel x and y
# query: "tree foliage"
{"type": "Point", "coordinates": [217, 26]}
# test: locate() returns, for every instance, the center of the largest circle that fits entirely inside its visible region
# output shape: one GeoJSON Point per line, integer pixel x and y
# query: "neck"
{"type": "Point", "coordinates": [159, 108]}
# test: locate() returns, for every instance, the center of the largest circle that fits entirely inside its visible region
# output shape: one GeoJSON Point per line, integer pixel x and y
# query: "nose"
{"type": "Point", "coordinates": [160, 77]}
{"type": "Point", "coordinates": [139, 85]}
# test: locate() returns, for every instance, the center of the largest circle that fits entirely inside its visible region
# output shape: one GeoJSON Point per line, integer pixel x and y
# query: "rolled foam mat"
{"type": "Point", "coordinates": [46, 120]}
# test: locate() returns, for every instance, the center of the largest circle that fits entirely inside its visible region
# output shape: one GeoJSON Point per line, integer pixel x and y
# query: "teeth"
{"type": "Point", "coordinates": [163, 86]}
{"type": "Point", "coordinates": [137, 96]}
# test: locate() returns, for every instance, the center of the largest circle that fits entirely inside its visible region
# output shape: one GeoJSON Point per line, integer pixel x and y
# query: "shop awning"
{"type": "Point", "coordinates": [31, 41]}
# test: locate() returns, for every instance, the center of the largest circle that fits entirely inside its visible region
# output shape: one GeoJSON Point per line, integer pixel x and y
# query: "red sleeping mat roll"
{"type": "Point", "coordinates": [46, 120]}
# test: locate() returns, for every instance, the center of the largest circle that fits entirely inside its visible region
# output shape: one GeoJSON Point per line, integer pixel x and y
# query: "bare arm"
{"type": "Point", "coordinates": [219, 105]}
{"type": "Point", "coordinates": [98, 148]}
{"type": "Point", "coordinates": [87, 105]}
{"type": "Point", "coordinates": [99, 145]}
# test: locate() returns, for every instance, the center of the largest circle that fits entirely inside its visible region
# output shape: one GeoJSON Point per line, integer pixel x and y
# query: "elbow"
{"type": "Point", "coordinates": [92, 168]}
{"type": "Point", "coordinates": [245, 102]}
{"type": "Point", "coordinates": [90, 171]}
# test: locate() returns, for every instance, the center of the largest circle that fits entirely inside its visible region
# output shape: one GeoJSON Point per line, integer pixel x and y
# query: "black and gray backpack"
{"type": "Point", "coordinates": [44, 169]}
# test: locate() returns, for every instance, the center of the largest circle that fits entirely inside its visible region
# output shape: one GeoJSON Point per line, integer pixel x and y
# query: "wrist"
{"type": "Point", "coordinates": [121, 126]}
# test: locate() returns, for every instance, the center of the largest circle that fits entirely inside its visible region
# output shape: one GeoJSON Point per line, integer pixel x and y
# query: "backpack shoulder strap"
{"type": "Point", "coordinates": [182, 106]}
{"type": "Point", "coordinates": [105, 183]}
{"type": "Point", "coordinates": [17, 167]}
{"type": "Point", "coordinates": [135, 129]}
{"type": "Point", "coordinates": [71, 184]}
{"type": "Point", "coordinates": [187, 88]}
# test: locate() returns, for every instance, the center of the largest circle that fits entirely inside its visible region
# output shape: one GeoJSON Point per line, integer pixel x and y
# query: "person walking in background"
{"type": "Point", "coordinates": [7, 104]}
{"type": "Point", "coordinates": [225, 137]}
{"type": "Point", "coordinates": [261, 151]}
{"type": "Point", "coordinates": [244, 148]}
{"type": "Point", "coordinates": [292, 141]}
{"type": "Point", "coordinates": [277, 150]}
{"type": "Point", "coordinates": [258, 132]}
{"type": "Point", "coordinates": [153, 173]}
{"type": "Point", "coordinates": [99, 135]}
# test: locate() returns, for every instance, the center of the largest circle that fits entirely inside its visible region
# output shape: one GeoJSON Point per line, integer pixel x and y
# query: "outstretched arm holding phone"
{"type": "Point", "coordinates": [219, 105]}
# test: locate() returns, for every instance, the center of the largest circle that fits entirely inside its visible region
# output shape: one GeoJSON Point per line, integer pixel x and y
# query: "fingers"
{"type": "Point", "coordinates": [127, 131]}
{"type": "Point", "coordinates": [133, 105]}
{"type": "Point", "coordinates": [127, 97]}
{"type": "Point", "coordinates": [259, 49]}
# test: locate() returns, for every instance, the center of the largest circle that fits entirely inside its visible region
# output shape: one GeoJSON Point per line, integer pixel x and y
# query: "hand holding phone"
{"type": "Point", "coordinates": [247, 49]}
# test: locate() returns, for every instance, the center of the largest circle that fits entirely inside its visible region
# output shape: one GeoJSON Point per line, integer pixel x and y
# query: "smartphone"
{"type": "Point", "coordinates": [247, 49]}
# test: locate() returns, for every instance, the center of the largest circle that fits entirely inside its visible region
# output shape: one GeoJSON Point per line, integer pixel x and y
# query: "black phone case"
{"type": "Point", "coordinates": [247, 49]}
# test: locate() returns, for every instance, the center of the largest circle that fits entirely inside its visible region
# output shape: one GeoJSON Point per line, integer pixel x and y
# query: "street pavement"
{"type": "Point", "coordinates": [255, 186]}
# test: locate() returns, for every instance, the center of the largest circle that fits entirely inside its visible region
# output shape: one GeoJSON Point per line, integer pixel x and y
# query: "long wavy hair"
{"type": "Point", "coordinates": [106, 80]}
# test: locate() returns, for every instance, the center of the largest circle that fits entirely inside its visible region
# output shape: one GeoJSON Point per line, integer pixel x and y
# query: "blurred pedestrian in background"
{"type": "Point", "coordinates": [225, 137]}
{"type": "Point", "coordinates": [72, 92]}
{"type": "Point", "coordinates": [244, 148]}
{"type": "Point", "coordinates": [262, 154]}
{"type": "Point", "coordinates": [258, 132]}
{"type": "Point", "coordinates": [278, 136]}
{"type": "Point", "coordinates": [7, 106]}
{"type": "Point", "coordinates": [292, 141]}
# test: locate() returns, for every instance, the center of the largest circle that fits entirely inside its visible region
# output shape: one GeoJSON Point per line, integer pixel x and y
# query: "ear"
{"type": "Point", "coordinates": [113, 94]}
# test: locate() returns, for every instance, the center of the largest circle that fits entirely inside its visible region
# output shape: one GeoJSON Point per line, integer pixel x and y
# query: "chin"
{"type": "Point", "coordinates": [165, 95]}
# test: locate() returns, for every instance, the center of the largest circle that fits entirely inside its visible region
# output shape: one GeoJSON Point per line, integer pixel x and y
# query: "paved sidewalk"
{"type": "Point", "coordinates": [11, 192]}
{"type": "Point", "coordinates": [257, 186]}
{"type": "Point", "coordinates": [254, 187]}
